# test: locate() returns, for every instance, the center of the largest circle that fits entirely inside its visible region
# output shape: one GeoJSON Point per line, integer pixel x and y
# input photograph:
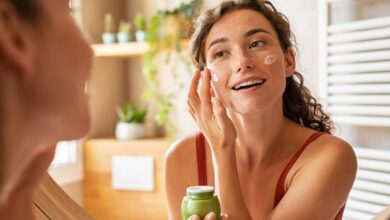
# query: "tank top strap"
{"type": "Point", "coordinates": [201, 159]}
{"type": "Point", "coordinates": [280, 189]}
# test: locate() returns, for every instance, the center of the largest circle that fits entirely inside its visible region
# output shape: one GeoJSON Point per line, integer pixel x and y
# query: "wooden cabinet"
{"type": "Point", "coordinates": [103, 202]}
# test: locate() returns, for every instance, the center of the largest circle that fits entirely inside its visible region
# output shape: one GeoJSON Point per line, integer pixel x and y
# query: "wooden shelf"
{"type": "Point", "coordinates": [125, 50]}
{"type": "Point", "coordinates": [120, 50]}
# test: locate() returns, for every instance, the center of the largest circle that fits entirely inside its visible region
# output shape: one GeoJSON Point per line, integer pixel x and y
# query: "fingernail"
{"type": "Point", "coordinates": [193, 217]}
{"type": "Point", "coordinates": [201, 73]}
{"type": "Point", "coordinates": [224, 216]}
{"type": "Point", "coordinates": [210, 216]}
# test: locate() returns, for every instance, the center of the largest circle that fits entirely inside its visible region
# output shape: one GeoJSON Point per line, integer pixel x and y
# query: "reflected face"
{"type": "Point", "coordinates": [248, 65]}
{"type": "Point", "coordinates": [62, 62]}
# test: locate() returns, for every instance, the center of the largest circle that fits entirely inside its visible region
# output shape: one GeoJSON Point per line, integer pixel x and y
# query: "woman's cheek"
{"type": "Point", "coordinates": [270, 59]}
{"type": "Point", "coordinates": [271, 63]}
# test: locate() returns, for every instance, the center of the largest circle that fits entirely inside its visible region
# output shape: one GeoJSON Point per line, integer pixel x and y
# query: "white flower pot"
{"type": "Point", "coordinates": [127, 131]}
{"type": "Point", "coordinates": [123, 37]}
{"type": "Point", "coordinates": [108, 38]}
{"type": "Point", "coordinates": [140, 36]}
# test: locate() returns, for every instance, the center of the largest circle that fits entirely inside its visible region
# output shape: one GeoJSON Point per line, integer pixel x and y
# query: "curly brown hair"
{"type": "Point", "coordinates": [27, 9]}
{"type": "Point", "coordinates": [298, 103]}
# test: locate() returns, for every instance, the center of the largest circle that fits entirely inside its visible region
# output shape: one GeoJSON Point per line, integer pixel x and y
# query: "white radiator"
{"type": "Point", "coordinates": [355, 70]}
{"type": "Point", "coordinates": [371, 191]}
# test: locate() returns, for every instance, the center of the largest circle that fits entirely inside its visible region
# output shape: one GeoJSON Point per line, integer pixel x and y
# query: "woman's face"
{"type": "Point", "coordinates": [247, 64]}
{"type": "Point", "coordinates": [61, 66]}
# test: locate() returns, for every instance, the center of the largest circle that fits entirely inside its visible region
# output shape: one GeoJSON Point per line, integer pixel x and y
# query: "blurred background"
{"type": "Point", "coordinates": [139, 84]}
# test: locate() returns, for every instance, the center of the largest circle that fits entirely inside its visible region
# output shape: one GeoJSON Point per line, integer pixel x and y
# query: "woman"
{"type": "Point", "coordinates": [44, 63]}
{"type": "Point", "coordinates": [269, 149]}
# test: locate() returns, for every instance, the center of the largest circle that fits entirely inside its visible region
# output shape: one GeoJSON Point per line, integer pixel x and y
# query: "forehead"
{"type": "Point", "coordinates": [238, 22]}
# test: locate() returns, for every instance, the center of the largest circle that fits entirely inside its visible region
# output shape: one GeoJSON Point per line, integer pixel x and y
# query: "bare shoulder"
{"type": "Point", "coordinates": [181, 159]}
{"type": "Point", "coordinates": [332, 156]}
{"type": "Point", "coordinates": [333, 149]}
{"type": "Point", "coordinates": [181, 150]}
{"type": "Point", "coordinates": [321, 179]}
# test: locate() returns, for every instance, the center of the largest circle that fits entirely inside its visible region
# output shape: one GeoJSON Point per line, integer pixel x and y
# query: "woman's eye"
{"type": "Point", "coordinates": [219, 54]}
{"type": "Point", "coordinates": [257, 43]}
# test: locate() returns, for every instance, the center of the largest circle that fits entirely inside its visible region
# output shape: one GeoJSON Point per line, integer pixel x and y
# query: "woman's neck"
{"type": "Point", "coordinates": [258, 134]}
{"type": "Point", "coordinates": [24, 152]}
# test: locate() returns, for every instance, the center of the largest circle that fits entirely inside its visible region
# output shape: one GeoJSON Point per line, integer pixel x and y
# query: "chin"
{"type": "Point", "coordinates": [77, 131]}
{"type": "Point", "coordinates": [77, 125]}
{"type": "Point", "coordinates": [248, 108]}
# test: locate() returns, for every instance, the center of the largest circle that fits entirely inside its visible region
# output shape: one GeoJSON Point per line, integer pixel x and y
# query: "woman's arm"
{"type": "Point", "coordinates": [179, 173]}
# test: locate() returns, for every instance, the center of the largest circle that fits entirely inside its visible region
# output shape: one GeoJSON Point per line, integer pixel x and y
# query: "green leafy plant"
{"type": "Point", "coordinates": [131, 114]}
{"type": "Point", "coordinates": [140, 22]}
{"type": "Point", "coordinates": [158, 42]}
{"type": "Point", "coordinates": [124, 26]}
{"type": "Point", "coordinates": [186, 10]}
{"type": "Point", "coordinates": [108, 23]}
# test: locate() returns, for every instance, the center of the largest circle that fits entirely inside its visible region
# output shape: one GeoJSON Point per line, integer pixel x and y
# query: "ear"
{"type": "Point", "coordinates": [290, 65]}
{"type": "Point", "coordinates": [15, 40]}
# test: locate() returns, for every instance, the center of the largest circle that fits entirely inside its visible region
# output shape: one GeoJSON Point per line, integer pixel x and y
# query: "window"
{"type": "Point", "coordinates": [66, 153]}
{"type": "Point", "coordinates": [67, 166]}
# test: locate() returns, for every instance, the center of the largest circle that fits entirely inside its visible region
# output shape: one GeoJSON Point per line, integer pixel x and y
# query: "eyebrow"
{"type": "Point", "coordinates": [255, 31]}
{"type": "Point", "coordinates": [247, 34]}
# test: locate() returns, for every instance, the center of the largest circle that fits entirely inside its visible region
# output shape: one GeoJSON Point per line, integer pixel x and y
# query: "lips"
{"type": "Point", "coordinates": [248, 83]}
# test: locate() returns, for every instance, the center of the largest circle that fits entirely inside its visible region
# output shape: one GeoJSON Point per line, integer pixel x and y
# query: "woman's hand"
{"type": "Point", "coordinates": [209, 113]}
{"type": "Point", "coordinates": [210, 216]}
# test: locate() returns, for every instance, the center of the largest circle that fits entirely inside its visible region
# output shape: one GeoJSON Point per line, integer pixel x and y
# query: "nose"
{"type": "Point", "coordinates": [243, 61]}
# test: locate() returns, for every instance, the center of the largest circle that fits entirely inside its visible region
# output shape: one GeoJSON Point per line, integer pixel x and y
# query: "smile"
{"type": "Point", "coordinates": [249, 84]}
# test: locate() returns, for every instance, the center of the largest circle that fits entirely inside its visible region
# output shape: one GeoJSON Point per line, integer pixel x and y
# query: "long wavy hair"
{"type": "Point", "coordinates": [298, 103]}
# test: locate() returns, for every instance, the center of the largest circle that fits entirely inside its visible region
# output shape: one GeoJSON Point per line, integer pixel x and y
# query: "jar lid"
{"type": "Point", "coordinates": [200, 189]}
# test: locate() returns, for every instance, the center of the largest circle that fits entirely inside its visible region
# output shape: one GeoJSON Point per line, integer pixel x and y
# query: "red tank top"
{"type": "Point", "coordinates": [280, 190]}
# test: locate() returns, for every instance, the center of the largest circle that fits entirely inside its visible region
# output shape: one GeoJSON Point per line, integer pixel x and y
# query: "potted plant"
{"type": "Point", "coordinates": [109, 34]}
{"type": "Point", "coordinates": [140, 25]}
{"type": "Point", "coordinates": [124, 34]}
{"type": "Point", "coordinates": [131, 123]}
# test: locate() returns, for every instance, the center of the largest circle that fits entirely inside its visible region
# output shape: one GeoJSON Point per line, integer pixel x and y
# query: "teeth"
{"type": "Point", "coordinates": [249, 83]}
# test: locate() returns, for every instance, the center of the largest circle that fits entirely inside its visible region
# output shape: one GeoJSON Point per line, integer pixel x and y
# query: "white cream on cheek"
{"type": "Point", "coordinates": [270, 59]}
{"type": "Point", "coordinates": [214, 77]}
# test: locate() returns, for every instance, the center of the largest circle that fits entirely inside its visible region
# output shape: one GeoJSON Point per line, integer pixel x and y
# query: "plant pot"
{"type": "Point", "coordinates": [108, 38]}
{"type": "Point", "coordinates": [140, 36]}
{"type": "Point", "coordinates": [124, 37]}
{"type": "Point", "coordinates": [127, 131]}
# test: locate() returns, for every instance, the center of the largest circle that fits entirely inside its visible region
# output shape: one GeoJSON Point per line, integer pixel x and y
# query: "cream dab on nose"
{"type": "Point", "coordinates": [270, 59]}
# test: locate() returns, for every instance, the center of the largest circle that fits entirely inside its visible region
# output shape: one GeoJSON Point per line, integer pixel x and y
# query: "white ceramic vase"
{"type": "Point", "coordinates": [140, 36]}
{"type": "Point", "coordinates": [123, 37]}
{"type": "Point", "coordinates": [108, 38]}
{"type": "Point", "coordinates": [127, 131]}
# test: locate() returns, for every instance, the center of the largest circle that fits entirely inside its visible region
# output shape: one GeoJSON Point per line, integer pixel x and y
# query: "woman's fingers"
{"type": "Point", "coordinates": [205, 95]}
{"type": "Point", "coordinates": [193, 92]}
{"type": "Point", "coordinates": [193, 101]}
{"type": "Point", "coordinates": [194, 217]}
{"type": "Point", "coordinates": [210, 216]}
{"type": "Point", "coordinates": [224, 123]}
{"type": "Point", "coordinates": [224, 217]}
